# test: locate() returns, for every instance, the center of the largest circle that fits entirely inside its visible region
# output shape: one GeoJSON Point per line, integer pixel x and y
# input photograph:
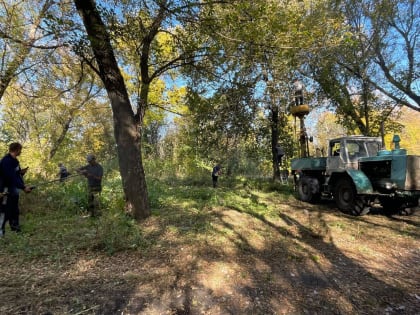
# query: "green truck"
{"type": "Point", "coordinates": [358, 174]}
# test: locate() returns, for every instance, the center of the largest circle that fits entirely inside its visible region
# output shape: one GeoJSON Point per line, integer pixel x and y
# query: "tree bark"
{"type": "Point", "coordinates": [126, 125]}
{"type": "Point", "coordinates": [274, 122]}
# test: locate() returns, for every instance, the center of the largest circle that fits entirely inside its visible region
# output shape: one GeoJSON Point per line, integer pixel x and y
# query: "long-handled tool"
{"type": "Point", "coordinates": [54, 181]}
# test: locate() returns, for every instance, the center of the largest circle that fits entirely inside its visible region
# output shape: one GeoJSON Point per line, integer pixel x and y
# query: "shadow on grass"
{"type": "Point", "coordinates": [344, 287]}
{"type": "Point", "coordinates": [230, 250]}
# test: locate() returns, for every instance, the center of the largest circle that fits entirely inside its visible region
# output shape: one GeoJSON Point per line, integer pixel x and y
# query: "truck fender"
{"type": "Point", "coordinates": [361, 181]}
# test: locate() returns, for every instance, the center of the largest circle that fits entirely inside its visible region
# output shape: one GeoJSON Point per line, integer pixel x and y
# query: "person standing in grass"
{"type": "Point", "coordinates": [93, 171]}
{"type": "Point", "coordinates": [217, 171]}
{"type": "Point", "coordinates": [62, 172]}
{"type": "Point", "coordinates": [11, 181]}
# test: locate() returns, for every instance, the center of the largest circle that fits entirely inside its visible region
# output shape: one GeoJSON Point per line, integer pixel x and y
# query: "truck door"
{"type": "Point", "coordinates": [335, 159]}
{"type": "Point", "coordinates": [355, 150]}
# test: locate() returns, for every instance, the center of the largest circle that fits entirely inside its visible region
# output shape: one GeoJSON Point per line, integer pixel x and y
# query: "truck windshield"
{"type": "Point", "coordinates": [362, 148]}
{"type": "Point", "coordinates": [373, 147]}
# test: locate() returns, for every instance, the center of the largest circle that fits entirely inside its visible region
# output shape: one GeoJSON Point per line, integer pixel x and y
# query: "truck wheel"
{"type": "Point", "coordinates": [347, 200]}
{"type": "Point", "coordinates": [305, 190]}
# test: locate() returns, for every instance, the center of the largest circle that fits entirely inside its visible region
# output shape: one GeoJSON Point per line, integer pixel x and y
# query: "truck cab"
{"type": "Point", "coordinates": [344, 153]}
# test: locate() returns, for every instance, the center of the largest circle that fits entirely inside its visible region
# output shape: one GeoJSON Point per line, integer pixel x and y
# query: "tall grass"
{"type": "Point", "coordinates": [55, 222]}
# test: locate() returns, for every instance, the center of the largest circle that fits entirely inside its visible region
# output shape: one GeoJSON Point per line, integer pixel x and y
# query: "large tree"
{"type": "Point", "coordinates": [394, 35]}
{"type": "Point", "coordinates": [346, 72]}
{"type": "Point", "coordinates": [52, 111]}
{"type": "Point", "coordinates": [139, 27]}
{"type": "Point", "coordinates": [126, 122]}
{"type": "Point", "coordinates": [261, 43]}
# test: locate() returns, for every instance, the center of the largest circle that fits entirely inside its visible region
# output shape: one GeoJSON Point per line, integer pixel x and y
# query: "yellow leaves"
{"type": "Point", "coordinates": [176, 98]}
{"type": "Point", "coordinates": [166, 46]}
{"type": "Point", "coordinates": [161, 98]}
{"type": "Point", "coordinates": [410, 139]}
{"type": "Point", "coordinates": [327, 128]}
{"type": "Point", "coordinates": [94, 137]}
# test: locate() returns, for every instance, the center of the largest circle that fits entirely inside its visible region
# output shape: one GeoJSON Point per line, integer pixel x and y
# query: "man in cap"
{"type": "Point", "coordinates": [93, 171]}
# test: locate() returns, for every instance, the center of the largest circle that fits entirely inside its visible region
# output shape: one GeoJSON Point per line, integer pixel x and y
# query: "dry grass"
{"type": "Point", "coordinates": [237, 251]}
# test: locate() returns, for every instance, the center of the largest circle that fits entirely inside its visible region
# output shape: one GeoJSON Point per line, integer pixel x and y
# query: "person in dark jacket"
{"type": "Point", "coordinates": [93, 171]}
{"type": "Point", "coordinates": [63, 173]}
{"type": "Point", "coordinates": [217, 170]}
{"type": "Point", "coordinates": [11, 182]}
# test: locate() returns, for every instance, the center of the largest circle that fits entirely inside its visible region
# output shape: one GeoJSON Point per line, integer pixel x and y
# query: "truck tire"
{"type": "Point", "coordinates": [347, 200]}
{"type": "Point", "coordinates": [306, 190]}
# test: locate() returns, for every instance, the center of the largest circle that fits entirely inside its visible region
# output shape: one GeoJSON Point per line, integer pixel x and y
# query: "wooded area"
{"type": "Point", "coordinates": [163, 90]}
{"type": "Point", "coordinates": [194, 83]}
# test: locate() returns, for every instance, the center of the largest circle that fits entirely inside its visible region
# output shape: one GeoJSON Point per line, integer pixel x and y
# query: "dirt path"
{"type": "Point", "coordinates": [301, 260]}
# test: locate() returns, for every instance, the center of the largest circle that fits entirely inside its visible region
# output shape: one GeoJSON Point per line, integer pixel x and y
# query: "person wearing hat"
{"type": "Point", "coordinates": [93, 171]}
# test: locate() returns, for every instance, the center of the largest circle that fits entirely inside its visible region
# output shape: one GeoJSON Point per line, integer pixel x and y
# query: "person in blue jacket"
{"type": "Point", "coordinates": [11, 181]}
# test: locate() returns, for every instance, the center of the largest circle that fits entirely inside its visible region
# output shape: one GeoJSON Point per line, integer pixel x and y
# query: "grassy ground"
{"type": "Point", "coordinates": [247, 247]}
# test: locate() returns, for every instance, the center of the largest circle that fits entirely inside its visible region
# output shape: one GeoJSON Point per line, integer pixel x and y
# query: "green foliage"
{"type": "Point", "coordinates": [53, 235]}
{"type": "Point", "coordinates": [53, 128]}
{"type": "Point", "coordinates": [115, 232]}
{"type": "Point", "coordinates": [20, 30]}
{"type": "Point", "coordinates": [184, 207]}
{"type": "Point", "coordinates": [55, 223]}
{"type": "Point", "coordinates": [361, 73]}
{"type": "Point", "coordinates": [237, 60]}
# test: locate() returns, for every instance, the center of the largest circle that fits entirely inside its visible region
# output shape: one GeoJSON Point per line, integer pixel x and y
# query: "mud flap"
{"type": "Point", "coordinates": [361, 182]}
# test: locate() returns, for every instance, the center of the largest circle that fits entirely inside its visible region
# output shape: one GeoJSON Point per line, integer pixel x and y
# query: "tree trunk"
{"type": "Point", "coordinates": [126, 125]}
{"type": "Point", "coordinates": [274, 140]}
